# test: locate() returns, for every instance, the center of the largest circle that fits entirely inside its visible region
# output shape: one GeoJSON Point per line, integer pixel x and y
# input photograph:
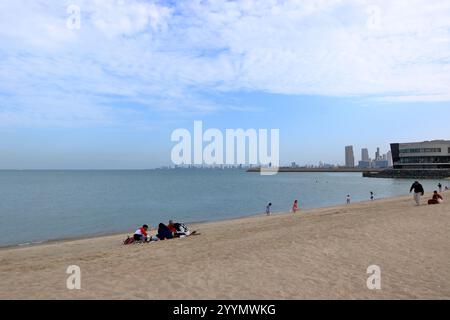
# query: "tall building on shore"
{"type": "Point", "coordinates": [389, 158]}
{"type": "Point", "coordinates": [377, 154]}
{"type": "Point", "coordinates": [421, 155]}
{"type": "Point", "coordinates": [364, 154]}
{"type": "Point", "coordinates": [349, 157]}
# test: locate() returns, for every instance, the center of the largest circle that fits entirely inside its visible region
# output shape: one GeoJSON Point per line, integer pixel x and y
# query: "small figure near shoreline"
{"type": "Point", "coordinates": [349, 200]}
{"type": "Point", "coordinates": [440, 187]}
{"type": "Point", "coordinates": [295, 206]}
{"type": "Point", "coordinates": [268, 207]}
{"type": "Point", "coordinates": [418, 191]}
{"type": "Point", "coordinates": [372, 195]}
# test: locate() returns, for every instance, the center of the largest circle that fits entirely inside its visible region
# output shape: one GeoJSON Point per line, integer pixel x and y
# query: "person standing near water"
{"type": "Point", "coordinates": [418, 191]}
{"type": "Point", "coordinates": [348, 199]}
{"type": "Point", "coordinates": [371, 195]}
{"type": "Point", "coordinates": [268, 208]}
{"type": "Point", "coordinates": [440, 187]}
{"type": "Point", "coordinates": [295, 206]}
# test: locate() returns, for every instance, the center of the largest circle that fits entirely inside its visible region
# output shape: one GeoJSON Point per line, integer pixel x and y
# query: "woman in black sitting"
{"type": "Point", "coordinates": [164, 232]}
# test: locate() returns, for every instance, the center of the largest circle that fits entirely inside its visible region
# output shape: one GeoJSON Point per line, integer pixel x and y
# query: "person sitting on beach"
{"type": "Point", "coordinates": [180, 230]}
{"type": "Point", "coordinates": [437, 198]}
{"type": "Point", "coordinates": [164, 232]}
{"type": "Point", "coordinates": [171, 226]}
{"type": "Point", "coordinates": [141, 234]}
{"type": "Point", "coordinates": [295, 206]}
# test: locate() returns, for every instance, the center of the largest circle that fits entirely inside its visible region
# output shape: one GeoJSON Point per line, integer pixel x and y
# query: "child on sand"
{"type": "Point", "coordinates": [268, 209]}
{"type": "Point", "coordinates": [295, 206]}
{"type": "Point", "coordinates": [348, 199]}
{"type": "Point", "coordinates": [141, 234]}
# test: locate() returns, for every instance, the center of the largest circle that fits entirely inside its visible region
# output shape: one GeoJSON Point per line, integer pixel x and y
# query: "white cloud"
{"type": "Point", "coordinates": [168, 57]}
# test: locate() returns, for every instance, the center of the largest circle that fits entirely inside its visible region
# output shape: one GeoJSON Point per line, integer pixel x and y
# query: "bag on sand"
{"type": "Point", "coordinates": [128, 240]}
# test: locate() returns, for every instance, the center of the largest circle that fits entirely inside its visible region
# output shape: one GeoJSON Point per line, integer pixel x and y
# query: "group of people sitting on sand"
{"type": "Point", "coordinates": [169, 231]}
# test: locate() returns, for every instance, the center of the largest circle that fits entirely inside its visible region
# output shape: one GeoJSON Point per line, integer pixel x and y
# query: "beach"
{"type": "Point", "coordinates": [313, 254]}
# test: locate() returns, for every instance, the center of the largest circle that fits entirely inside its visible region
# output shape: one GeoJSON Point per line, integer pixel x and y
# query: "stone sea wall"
{"type": "Point", "coordinates": [410, 174]}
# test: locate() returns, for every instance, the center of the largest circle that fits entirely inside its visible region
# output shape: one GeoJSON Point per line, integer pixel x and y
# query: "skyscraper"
{"type": "Point", "coordinates": [364, 154]}
{"type": "Point", "coordinates": [349, 157]}
{"type": "Point", "coordinates": [389, 158]}
{"type": "Point", "coordinates": [377, 154]}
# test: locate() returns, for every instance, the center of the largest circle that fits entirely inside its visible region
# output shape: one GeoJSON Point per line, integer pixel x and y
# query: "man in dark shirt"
{"type": "Point", "coordinates": [418, 191]}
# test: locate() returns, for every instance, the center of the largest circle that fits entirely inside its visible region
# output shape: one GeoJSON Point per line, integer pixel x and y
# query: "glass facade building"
{"type": "Point", "coordinates": [421, 155]}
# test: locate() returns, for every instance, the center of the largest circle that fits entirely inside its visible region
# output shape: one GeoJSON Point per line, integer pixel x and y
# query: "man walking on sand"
{"type": "Point", "coordinates": [418, 191]}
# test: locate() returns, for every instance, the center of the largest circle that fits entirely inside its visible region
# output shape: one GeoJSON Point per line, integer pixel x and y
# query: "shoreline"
{"type": "Point", "coordinates": [124, 233]}
{"type": "Point", "coordinates": [195, 223]}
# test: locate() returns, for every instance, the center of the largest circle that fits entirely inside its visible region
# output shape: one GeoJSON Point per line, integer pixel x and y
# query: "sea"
{"type": "Point", "coordinates": [40, 206]}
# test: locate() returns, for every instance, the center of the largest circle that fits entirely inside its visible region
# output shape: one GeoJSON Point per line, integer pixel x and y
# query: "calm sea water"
{"type": "Point", "coordinates": [37, 206]}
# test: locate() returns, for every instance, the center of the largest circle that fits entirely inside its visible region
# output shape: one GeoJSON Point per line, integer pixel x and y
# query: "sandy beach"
{"type": "Point", "coordinates": [314, 254]}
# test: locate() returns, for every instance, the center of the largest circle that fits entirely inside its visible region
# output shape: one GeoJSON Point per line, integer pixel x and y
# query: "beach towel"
{"type": "Point", "coordinates": [181, 230]}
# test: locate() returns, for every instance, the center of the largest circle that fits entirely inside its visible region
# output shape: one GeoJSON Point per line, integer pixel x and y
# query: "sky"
{"type": "Point", "coordinates": [108, 92]}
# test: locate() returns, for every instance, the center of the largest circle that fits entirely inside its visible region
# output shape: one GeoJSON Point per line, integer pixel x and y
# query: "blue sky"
{"type": "Point", "coordinates": [326, 73]}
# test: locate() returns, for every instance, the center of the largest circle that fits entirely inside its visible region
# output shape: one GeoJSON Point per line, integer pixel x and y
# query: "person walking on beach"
{"type": "Point", "coordinates": [371, 195]}
{"type": "Point", "coordinates": [348, 199]}
{"type": "Point", "coordinates": [418, 191]}
{"type": "Point", "coordinates": [295, 206]}
{"type": "Point", "coordinates": [268, 208]}
{"type": "Point", "coordinates": [440, 187]}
